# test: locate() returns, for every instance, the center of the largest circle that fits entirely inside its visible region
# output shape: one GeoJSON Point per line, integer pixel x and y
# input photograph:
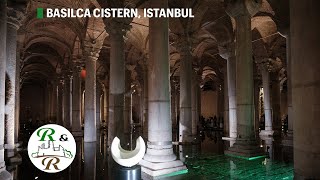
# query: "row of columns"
{"type": "Point", "coordinates": [10, 20]}
{"type": "Point", "coordinates": [246, 144]}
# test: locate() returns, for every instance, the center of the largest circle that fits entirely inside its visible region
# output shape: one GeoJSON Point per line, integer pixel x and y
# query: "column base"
{"type": "Point", "coordinates": [4, 174]}
{"type": "Point", "coordinates": [246, 149]}
{"type": "Point", "coordinates": [12, 156]}
{"type": "Point", "coordinates": [161, 169]}
{"type": "Point", "coordinates": [231, 140]}
{"type": "Point", "coordinates": [266, 133]}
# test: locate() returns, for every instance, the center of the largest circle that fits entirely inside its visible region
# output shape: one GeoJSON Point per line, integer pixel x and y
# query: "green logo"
{"type": "Point", "coordinates": [40, 13]}
{"type": "Point", "coordinates": [51, 148]}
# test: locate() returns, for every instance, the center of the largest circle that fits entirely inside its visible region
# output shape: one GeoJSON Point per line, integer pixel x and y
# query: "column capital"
{"type": "Point", "coordinates": [264, 64]}
{"type": "Point", "coordinates": [60, 80]}
{"type": "Point", "coordinates": [91, 50]}
{"type": "Point", "coordinates": [227, 51]}
{"type": "Point", "coordinates": [15, 16]}
{"type": "Point", "coordinates": [77, 67]}
{"type": "Point", "coordinates": [117, 27]}
{"type": "Point", "coordinates": [184, 44]}
{"type": "Point", "coordinates": [236, 8]}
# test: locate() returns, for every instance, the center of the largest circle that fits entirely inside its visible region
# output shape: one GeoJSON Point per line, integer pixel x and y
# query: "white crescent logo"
{"type": "Point", "coordinates": [128, 158]}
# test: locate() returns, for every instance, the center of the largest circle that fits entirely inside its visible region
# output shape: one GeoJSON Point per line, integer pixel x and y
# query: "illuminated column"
{"type": "Point", "coordinates": [17, 98]}
{"type": "Point", "coordinates": [226, 101]}
{"type": "Point", "coordinates": [60, 101]}
{"type": "Point", "coordinates": [67, 100]}
{"type": "Point", "coordinates": [105, 103]}
{"type": "Point", "coordinates": [288, 139]}
{"type": "Point", "coordinates": [13, 24]}
{"type": "Point", "coordinates": [4, 174]}
{"type": "Point", "coordinates": [276, 93]}
{"type": "Point", "coordinates": [228, 53]}
{"type": "Point", "coordinates": [256, 99]}
{"type": "Point", "coordinates": [116, 29]}
{"type": "Point", "coordinates": [266, 99]}
{"type": "Point", "coordinates": [305, 68]}
{"type": "Point", "coordinates": [246, 144]}
{"type": "Point", "coordinates": [194, 100]}
{"type": "Point", "coordinates": [98, 106]}
{"type": "Point", "coordinates": [126, 111]}
{"type": "Point", "coordinates": [76, 101]}
{"type": "Point", "coordinates": [159, 158]}
{"type": "Point", "coordinates": [91, 54]}
{"type": "Point", "coordinates": [185, 122]}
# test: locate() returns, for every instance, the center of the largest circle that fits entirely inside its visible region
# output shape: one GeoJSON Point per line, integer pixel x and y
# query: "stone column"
{"type": "Point", "coordinates": [159, 158]}
{"type": "Point", "coordinates": [105, 103]}
{"type": "Point", "coordinates": [67, 101]}
{"type": "Point", "coordinates": [116, 29]}
{"type": "Point", "coordinates": [127, 115]}
{"type": "Point", "coordinates": [48, 101]}
{"type": "Point", "coordinates": [226, 101]}
{"type": "Point", "coordinates": [177, 108]}
{"type": "Point", "coordinates": [199, 98]}
{"type": "Point", "coordinates": [11, 74]}
{"type": "Point", "coordinates": [289, 89]}
{"type": "Point", "coordinates": [185, 123]}
{"type": "Point", "coordinates": [91, 54]}
{"type": "Point", "coordinates": [173, 103]}
{"type": "Point", "coordinates": [228, 53]}
{"type": "Point", "coordinates": [305, 68]}
{"type": "Point", "coordinates": [288, 139]}
{"type": "Point", "coordinates": [268, 130]}
{"type": "Point", "coordinates": [17, 99]}
{"type": "Point", "coordinates": [76, 101]}
{"type": "Point", "coordinates": [98, 106]}
{"type": "Point", "coordinates": [276, 113]}
{"type": "Point", "coordinates": [102, 106]}
{"type": "Point", "coordinates": [194, 103]}
{"type": "Point", "coordinates": [54, 101]}
{"type": "Point", "coordinates": [246, 144]}
{"type": "Point", "coordinates": [14, 18]}
{"type": "Point", "coordinates": [60, 100]}
{"type": "Point", "coordinates": [5, 175]}
{"type": "Point", "coordinates": [256, 105]}
{"type": "Point", "coordinates": [145, 101]}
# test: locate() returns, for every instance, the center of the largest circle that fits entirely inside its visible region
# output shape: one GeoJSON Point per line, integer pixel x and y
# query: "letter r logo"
{"type": "Point", "coordinates": [46, 133]}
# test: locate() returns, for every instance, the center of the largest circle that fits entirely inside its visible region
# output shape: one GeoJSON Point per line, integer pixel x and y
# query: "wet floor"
{"type": "Point", "coordinates": [204, 161]}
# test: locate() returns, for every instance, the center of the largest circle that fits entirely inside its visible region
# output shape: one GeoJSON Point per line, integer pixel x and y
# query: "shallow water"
{"type": "Point", "coordinates": [204, 161]}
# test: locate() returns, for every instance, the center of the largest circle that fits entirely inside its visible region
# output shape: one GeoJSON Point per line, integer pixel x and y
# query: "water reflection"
{"type": "Point", "coordinates": [90, 154]}
{"type": "Point", "coordinates": [204, 160]}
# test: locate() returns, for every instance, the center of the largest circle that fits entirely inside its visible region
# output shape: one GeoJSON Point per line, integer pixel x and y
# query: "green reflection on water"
{"type": "Point", "coordinates": [226, 167]}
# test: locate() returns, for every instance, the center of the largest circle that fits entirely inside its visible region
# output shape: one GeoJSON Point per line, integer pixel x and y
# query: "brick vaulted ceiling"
{"type": "Point", "coordinates": [49, 45]}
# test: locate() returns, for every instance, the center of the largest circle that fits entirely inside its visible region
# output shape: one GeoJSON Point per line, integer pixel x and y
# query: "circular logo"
{"type": "Point", "coordinates": [51, 148]}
